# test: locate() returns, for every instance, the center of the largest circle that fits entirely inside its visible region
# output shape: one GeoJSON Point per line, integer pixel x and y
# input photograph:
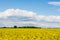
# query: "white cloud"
{"type": "Point", "coordinates": [11, 17]}
{"type": "Point", "coordinates": [16, 12]}
{"type": "Point", "coordinates": [53, 18]}
{"type": "Point", "coordinates": [54, 3]}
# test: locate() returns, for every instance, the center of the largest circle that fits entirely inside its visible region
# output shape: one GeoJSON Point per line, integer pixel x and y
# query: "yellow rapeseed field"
{"type": "Point", "coordinates": [29, 34]}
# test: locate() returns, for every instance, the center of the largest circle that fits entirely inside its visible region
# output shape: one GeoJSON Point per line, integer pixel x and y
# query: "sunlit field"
{"type": "Point", "coordinates": [29, 34]}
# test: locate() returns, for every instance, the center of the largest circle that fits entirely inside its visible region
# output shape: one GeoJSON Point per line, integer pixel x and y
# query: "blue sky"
{"type": "Point", "coordinates": [39, 6]}
{"type": "Point", "coordinates": [44, 13]}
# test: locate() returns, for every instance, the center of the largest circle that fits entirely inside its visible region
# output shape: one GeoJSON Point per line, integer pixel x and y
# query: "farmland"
{"type": "Point", "coordinates": [29, 34]}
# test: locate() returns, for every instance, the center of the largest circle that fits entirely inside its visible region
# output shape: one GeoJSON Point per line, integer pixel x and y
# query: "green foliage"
{"type": "Point", "coordinates": [29, 27]}
{"type": "Point", "coordinates": [15, 26]}
{"type": "Point", "coordinates": [22, 27]}
{"type": "Point", "coordinates": [4, 27]}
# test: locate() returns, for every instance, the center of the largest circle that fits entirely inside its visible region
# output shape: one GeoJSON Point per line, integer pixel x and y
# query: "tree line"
{"type": "Point", "coordinates": [22, 27]}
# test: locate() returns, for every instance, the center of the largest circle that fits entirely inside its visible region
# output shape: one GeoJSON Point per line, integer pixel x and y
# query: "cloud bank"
{"type": "Point", "coordinates": [11, 17]}
{"type": "Point", "coordinates": [54, 3]}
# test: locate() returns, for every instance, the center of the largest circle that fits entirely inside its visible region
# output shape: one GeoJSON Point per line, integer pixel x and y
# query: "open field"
{"type": "Point", "coordinates": [29, 34]}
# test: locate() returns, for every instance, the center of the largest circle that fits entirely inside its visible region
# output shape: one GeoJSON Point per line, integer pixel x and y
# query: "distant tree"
{"type": "Point", "coordinates": [4, 27]}
{"type": "Point", "coordinates": [19, 27]}
{"type": "Point", "coordinates": [15, 26]}
{"type": "Point", "coordinates": [29, 27]}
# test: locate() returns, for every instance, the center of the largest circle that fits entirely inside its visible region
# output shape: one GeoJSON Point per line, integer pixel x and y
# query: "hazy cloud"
{"type": "Point", "coordinates": [54, 3]}
{"type": "Point", "coordinates": [11, 17]}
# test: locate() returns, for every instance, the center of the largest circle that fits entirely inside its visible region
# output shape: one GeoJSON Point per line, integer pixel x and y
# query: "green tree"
{"type": "Point", "coordinates": [4, 27]}
{"type": "Point", "coordinates": [15, 26]}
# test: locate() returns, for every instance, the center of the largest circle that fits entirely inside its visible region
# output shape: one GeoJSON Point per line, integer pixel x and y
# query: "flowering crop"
{"type": "Point", "coordinates": [29, 34]}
